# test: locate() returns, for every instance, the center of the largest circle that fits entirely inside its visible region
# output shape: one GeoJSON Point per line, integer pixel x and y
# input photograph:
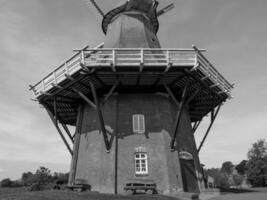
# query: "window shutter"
{"type": "Point", "coordinates": [135, 123]}
{"type": "Point", "coordinates": [139, 124]}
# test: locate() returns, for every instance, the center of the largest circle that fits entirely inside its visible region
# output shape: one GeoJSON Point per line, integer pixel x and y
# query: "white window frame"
{"type": "Point", "coordinates": [141, 163]}
{"type": "Point", "coordinates": [139, 120]}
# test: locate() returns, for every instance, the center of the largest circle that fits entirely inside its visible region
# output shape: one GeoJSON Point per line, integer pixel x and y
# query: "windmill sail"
{"type": "Point", "coordinates": [165, 9]}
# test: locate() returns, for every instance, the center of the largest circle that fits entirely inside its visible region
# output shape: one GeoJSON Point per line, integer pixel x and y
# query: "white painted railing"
{"type": "Point", "coordinates": [140, 58]}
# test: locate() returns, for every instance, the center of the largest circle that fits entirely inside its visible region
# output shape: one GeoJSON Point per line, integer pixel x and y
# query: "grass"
{"type": "Point", "coordinates": [253, 194]}
{"type": "Point", "coordinates": [244, 196]}
{"type": "Point", "coordinates": [4, 191]}
{"type": "Point", "coordinates": [23, 194]}
{"type": "Point", "coordinates": [11, 194]}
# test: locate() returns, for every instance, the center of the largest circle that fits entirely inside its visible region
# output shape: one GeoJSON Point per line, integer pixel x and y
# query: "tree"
{"type": "Point", "coordinates": [221, 179]}
{"type": "Point", "coordinates": [227, 168]}
{"type": "Point", "coordinates": [258, 150]}
{"type": "Point", "coordinates": [242, 167]}
{"type": "Point", "coordinates": [42, 177]}
{"type": "Point", "coordinates": [238, 179]}
{"type": "Point", "coordinates": [6, 183]}
{"type": "Point", "coordinates": [224, 181]}
{"type": "Point", "coordinates": [257, 164]}
{"type": "Point", "coordinates": [27, 178]}
{"type": "Point", "coordinates": [215, 174]}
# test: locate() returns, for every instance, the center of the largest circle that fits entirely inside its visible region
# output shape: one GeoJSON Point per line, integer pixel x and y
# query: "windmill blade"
{"type": "Point", "coordinates": [165, 9]}
{"type": "Point", "coordinates": [97, 7]}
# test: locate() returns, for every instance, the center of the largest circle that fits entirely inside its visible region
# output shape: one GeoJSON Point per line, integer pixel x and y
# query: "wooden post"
{"type": "Point", "coordinates": [100, 117]}
{"type": "Point", "coordinates": [178, 117]}
{"type": "Point", "coordinates": [213, 117]}
{"type": "Point", "coordinates": [76, 146]}
{"type": "Point", "coordinates": [116, 147]}
{"type": "Point", "coordinates": [113, 65]}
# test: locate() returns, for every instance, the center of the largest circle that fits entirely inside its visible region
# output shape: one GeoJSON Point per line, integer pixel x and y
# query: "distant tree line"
{"type": "Point", "coordinates": [248, 172]}
{"type": "Point", "coordinates": [40, 180]}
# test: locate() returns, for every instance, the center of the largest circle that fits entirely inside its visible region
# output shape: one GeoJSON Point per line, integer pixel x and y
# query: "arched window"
{"type": "Point", "coordinates": [141, 164]}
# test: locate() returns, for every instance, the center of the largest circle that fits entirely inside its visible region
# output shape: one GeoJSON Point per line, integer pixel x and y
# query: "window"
{"type": "Point", "coordinates": [139, 124]}
{"type": "Point", "coordinates": [141, 167]}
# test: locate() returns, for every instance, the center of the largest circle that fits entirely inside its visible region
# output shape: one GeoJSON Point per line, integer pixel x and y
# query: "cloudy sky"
{"type": "Point", "coordinates": [38, 35]}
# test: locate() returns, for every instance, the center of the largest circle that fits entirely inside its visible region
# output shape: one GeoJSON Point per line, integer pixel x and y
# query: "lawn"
{"type": "Point", "coordinates": [255, 194]}
{"type": "Point", "coordinates": [22, 194]}
{"type": "Point", "coordinates": [65, 195]}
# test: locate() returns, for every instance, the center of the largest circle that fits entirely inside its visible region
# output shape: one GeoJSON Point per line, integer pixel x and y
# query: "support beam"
{"type": "Point", "coordinates": [67, 131]}
{"type": "Point", "coordinates": [85, 98]}
{"type": "Point", "coordinates": [178, 117]}
{"type": "Point", "coordinates": [99, 80]}
{"type": "Point", "coordinates": [57, 127]}
{"type": "Point", "coordinates": [100, 117]}
{"type": "Point", "coordinates": [55, 110]}
{"type": "Point", "coordinates": [213, 117]}
{"type": "Point", "coordinates": [202, 83]}
{"type": "Point", "coordinates": [111, 91]}
{"type": "Point", "coordinates": [171, 94]}
{"type": "Point", "coordinates": [192, 96]}
{"type": "Point", "coordinates": [76, 145]}
{"type": "Point", "coordinates": [196, 125]}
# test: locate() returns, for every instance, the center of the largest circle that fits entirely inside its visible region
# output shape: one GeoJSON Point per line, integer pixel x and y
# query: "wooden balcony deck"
{"type": "Point", "coordinates": [119, 60]}
{"type": "Point", "coordinates": [138, 71]}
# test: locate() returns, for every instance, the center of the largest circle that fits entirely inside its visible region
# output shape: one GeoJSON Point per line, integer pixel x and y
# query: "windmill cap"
{"type": "Point", "coordinates": [148, 7]}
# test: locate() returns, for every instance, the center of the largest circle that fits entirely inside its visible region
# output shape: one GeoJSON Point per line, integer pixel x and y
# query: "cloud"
{"type": "Point", "coordinates": [231, 138]}
{"type": "Point", "coordinates": [37, 36]}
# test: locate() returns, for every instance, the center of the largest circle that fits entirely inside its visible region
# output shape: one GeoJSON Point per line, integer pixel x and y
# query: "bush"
{"type": "Point", "coordinates": [9, 183]}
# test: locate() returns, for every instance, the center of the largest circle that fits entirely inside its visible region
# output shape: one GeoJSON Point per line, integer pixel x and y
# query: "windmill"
{"type": "Point", "coordinates": [135, 106]}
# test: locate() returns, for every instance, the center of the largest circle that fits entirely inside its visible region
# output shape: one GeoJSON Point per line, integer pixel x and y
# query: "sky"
{"type": "Point", "coordinates": [36, 36]}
